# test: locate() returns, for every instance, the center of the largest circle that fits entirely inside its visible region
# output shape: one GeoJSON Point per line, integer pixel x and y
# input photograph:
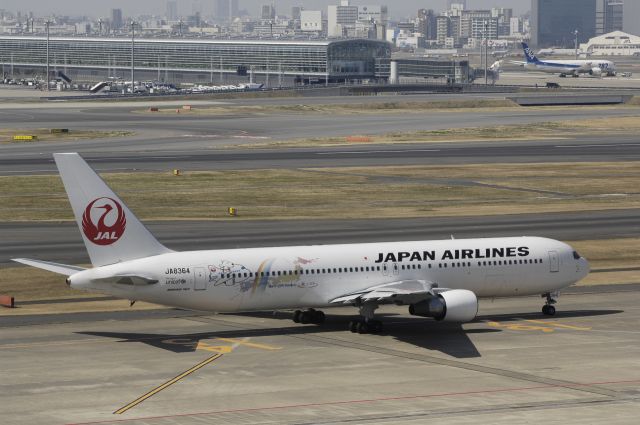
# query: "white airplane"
{"type": "Point", "coordinates": [441, 279]}
{"type": "Point", "coordinates": [567, 67]}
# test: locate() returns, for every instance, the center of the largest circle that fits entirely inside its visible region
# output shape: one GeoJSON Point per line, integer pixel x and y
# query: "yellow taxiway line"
{"type": "Point", "coordinates": [167, 384]}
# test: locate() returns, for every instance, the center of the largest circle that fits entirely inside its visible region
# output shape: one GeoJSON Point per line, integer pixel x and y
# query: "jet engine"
{"type": "Point", "coordinates": [457, 305]}
{"type": "Point", "coordinates": [596, 71]}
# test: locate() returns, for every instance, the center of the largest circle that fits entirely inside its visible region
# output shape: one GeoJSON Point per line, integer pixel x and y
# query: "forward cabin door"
{"type": "Point", "coordinates": [554, 263]}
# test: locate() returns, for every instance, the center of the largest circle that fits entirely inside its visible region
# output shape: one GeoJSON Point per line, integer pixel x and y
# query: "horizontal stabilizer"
{"type": "Point", "coordinates": [64, 269]}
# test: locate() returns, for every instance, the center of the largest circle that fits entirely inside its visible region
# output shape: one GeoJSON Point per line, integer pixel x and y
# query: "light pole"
{"type": "Point", "coordinates": [133, 55]}
{"type": "Point", "coordinates": [576, 32]}
{"type": "Point", "coordinates": [47, 24]}
{"type": "Point", "coordinates": [481, 50]}
{"type": "Point", "coordinates": [486, 53]}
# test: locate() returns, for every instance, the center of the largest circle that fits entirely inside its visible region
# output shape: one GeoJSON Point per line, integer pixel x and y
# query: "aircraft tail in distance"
{"type": "Point", "coordinates": [528, 54]}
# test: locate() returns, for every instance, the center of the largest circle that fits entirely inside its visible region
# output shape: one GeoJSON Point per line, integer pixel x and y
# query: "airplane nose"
{"type": "Point", "coordinates": [584, 267]}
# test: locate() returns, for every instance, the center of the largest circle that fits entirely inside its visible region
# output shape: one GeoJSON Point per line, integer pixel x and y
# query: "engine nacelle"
{"type": "Point", "coordinates": [457, 305]}
{"type": "Point", "coordinates": [596, 71]}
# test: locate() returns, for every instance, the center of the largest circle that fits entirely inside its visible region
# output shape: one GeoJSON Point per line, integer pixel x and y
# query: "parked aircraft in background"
{"type": "Point", "coordinates": [567, 67]}
{"type": "Point", "coordinates": [442, 279]}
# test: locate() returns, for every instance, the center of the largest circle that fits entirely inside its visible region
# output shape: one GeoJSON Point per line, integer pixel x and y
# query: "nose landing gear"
{"type": "Point", "coordinates": [548, 309]}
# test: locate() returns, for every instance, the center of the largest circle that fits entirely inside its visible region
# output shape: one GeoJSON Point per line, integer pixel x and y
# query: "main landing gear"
{"type": "Point", "coordinates": [308, 316]}
{"type": "Point", "coordinates": [366, 324]}
{"type": "Point", "coordinates": [548, 309]}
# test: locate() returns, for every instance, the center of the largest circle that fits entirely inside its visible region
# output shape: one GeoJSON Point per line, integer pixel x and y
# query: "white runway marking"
{"type": "Point", "coordinates": [597, 146]}
{"type": "Point", "coordinates": [377, 151]}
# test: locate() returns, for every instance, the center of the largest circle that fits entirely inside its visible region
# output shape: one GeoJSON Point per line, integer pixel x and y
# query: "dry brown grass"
{"type": "Point", "coordinates": [544, 130]}
{"type": "Point", "coordinates": [354, 192]}
{"type": "Point", "coordinates": [353, 108]}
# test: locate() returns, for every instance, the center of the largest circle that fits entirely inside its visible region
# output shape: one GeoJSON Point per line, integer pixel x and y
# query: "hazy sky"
{"type": "Point", "coordinates": [96, 8]}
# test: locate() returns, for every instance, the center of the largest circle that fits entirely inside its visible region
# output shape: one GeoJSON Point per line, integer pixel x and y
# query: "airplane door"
{"type": "Point", "coordinates": [396, 269]}
{"type": "Point", "coordinates": [199, 278]}
{"type": "Point", "coordinates": [554, 264]}
{"type": "Point", "coordinates": [385, 270]}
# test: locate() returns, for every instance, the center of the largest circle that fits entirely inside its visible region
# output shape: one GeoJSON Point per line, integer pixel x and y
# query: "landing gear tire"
{"type": "Point", "coordinates": [548, 310]}
{"type": "Point", "coordinates": [318, 317]}
{"type": "Point", "coordinates": [364, 327]}
{"type": "Point", "coordinates": [309, 316]}
{"type": "Point", "coordinates": [305, 317]}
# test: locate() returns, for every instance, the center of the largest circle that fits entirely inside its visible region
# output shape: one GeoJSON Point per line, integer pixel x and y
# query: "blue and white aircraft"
{"type": "Point", "coordinates": [574, 68]}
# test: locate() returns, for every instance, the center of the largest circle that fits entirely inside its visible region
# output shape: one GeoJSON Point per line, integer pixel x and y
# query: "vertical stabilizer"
{"type": "Point", "coordinates": [109, 229]}
{"type": "Point", "coordinates": [528, 54]}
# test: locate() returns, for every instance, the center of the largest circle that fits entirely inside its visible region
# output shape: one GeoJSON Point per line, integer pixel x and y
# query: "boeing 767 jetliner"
{"type": "Point", "coordinates": [441, 279]}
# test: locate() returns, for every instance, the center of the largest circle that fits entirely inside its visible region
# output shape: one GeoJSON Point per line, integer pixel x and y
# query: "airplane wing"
{"type": "Point", "coordinates": [64, 269]}
{"type": "Point", "coordinates": [127, 279]}
{"type": "Point", "coordinates": [400, 292]}
{"type": "Point", "coordinates": [586, 66]}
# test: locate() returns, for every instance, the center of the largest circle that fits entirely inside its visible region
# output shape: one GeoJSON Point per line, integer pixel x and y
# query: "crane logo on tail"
{"type": "Point", "coordinates": [104, 221]}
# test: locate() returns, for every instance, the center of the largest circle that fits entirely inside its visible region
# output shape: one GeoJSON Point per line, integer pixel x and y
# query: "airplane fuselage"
{"type": "Point", "coordinates": [311, 276]}
{"type": "Point", "coordinates": [572, 67]}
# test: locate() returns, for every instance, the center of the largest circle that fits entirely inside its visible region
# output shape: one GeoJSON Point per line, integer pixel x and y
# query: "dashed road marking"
{"type": "Point", "coordinates": [537, 325]}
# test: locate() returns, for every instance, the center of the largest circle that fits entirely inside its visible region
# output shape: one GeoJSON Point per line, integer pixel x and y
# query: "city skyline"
{"type": "Point", "coordinates": [94, 8]}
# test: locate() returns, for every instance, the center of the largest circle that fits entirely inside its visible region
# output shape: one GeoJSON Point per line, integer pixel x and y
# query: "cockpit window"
{"type": "Point", "coordinates": [576, 255]}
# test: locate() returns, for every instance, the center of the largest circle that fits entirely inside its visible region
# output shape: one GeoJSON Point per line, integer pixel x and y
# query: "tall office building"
{"type": "Point", "coordinates": [268, 12]}
{"type": "Point", "coordinates": [341, 18]}
{"type": "Point", "coordinates": [373, 13]}
{"type": "Point", "coordinates": [225, 10]}
{"type": "Point", "coordinates": [443, 29]}
{"type": "Point", "coordinates": [452, 2]}
{"type": "Point", "coordinates": [631, 18]}
{"type": "Point", "coordinates": [427, 25]}
{"type": "Point", "coordinates": [553, 22]}
{"type": "Point", "coordinates": [609, 16]}
{"type": "Point", "coordinates": [116, 19]}
{"type": "Point", "coordinates": [172, 10]}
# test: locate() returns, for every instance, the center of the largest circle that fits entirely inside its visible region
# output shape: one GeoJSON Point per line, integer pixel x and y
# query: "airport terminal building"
{"type": "Point", "coordinates": [198, 60]}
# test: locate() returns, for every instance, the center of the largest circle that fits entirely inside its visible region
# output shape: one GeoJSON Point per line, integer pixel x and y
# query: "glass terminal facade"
{"type": "Point", "coordinates": [320, 60]}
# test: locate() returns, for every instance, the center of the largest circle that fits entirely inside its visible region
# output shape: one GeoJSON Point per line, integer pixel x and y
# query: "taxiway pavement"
{"type": "Point", "coordinates": [511, 365]}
